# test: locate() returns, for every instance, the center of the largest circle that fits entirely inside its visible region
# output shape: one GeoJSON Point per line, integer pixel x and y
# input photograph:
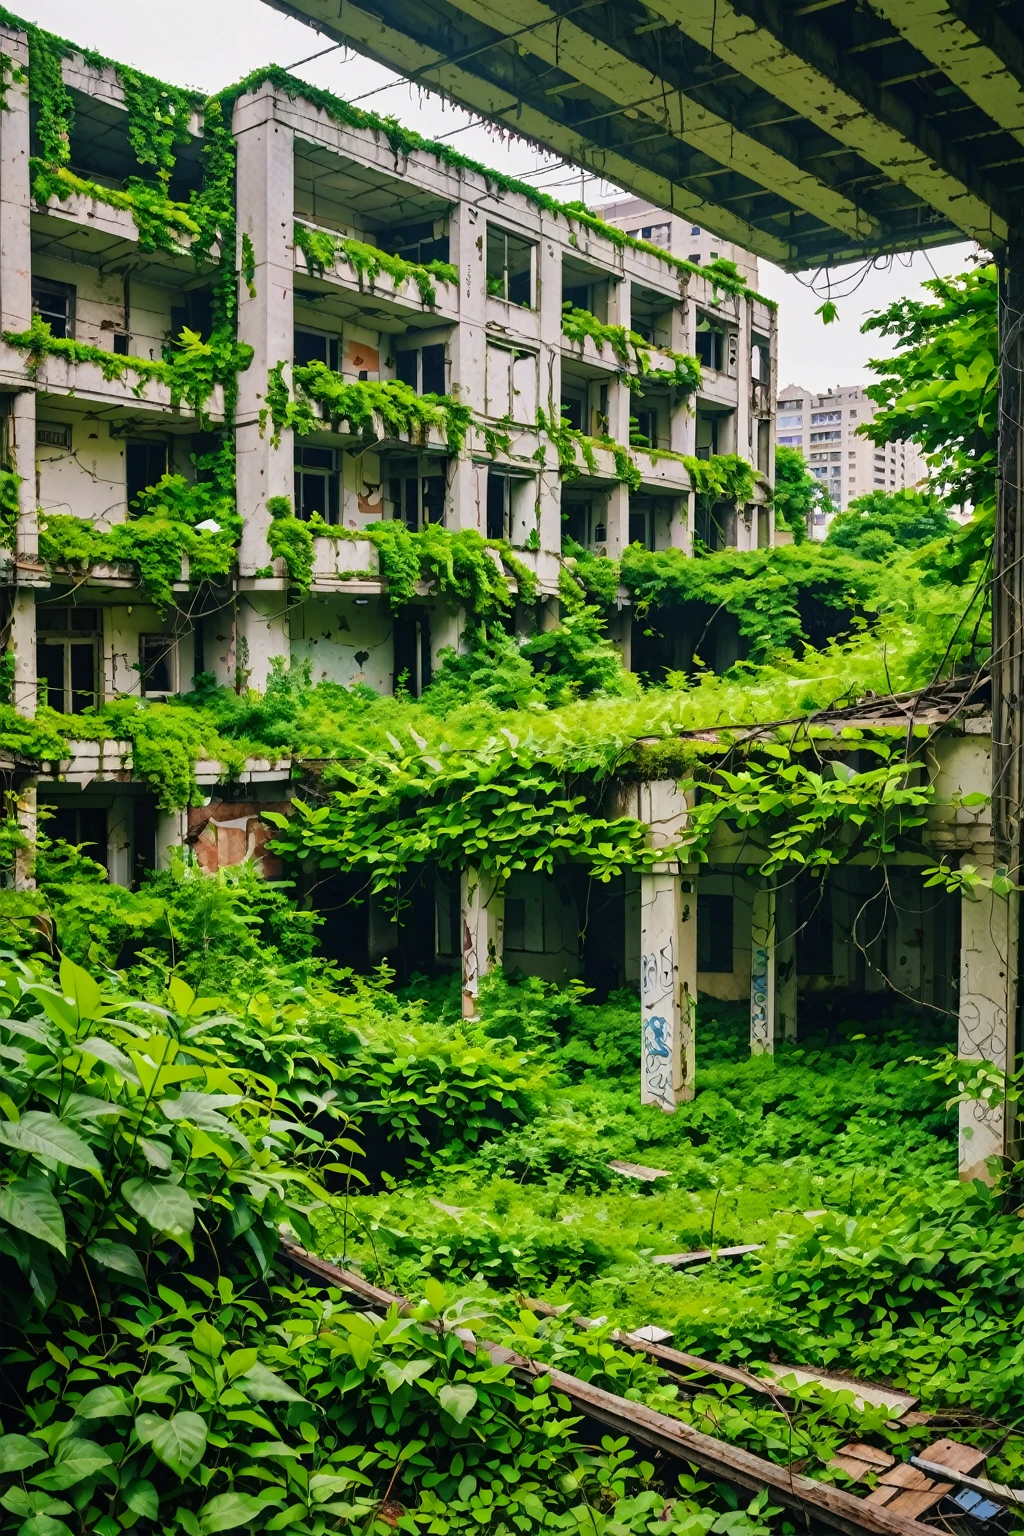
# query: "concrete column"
{"type": "Point", "coordinates": [266, 322]}
{"type": "Point", "coordinates": [617, 519]}
{"type": "Point", "coordinates": [119, 840]}
{"type": "Point", "coordinates": [668, 985]}
{"type": "Point", "coordinates": [549, 302]}
{"type": "Point", "coordinates": [262, 634]}
{"type": "Point", "coordinates": [988, 1010]}
{"type": "Point", "coordinates": [483, 932]}
{"type": "Point", "coordinates": [467, 233]}
{"type": "Point", "coordinates": [15, 205]}
{"type": "Point", "coordinates": [28, 825]}
{"type": "Point", "coordinates": [171, 828]}
{"type": "Point", "coordinates": [785, 961]}
{"type": "Point", "coordinates": [762, 972]}
{"type": "Point", "coordinates": [24, 692]}
{"type": "Point", "coordinates": [620, 302]}
{"type": "Point", "coordinates": [21, 428]}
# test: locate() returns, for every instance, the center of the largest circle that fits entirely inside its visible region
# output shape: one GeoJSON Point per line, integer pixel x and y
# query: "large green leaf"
{"type": "Point", "coordinates": [29, 1205]}
{"type": "Point", "coordinates": [104, 1403]}
{"type": "Point", "coordinates": [43, 1525]}
{"type": "Point", "coordinates": [228, 1511]}
{"type": "Point", "coordinates": [45, 1136]}
{"type": "Point", "coordinates": [118, 1257]}
{"type": "Point", "coordinates": [263, 1385]}
{"type": "Point", "coordinates": [179, 1442]}
{"type": "Point", "coordinates": [80, 989]}
{"type": "Point", "coordinates": [165, 1205]}
{"type": "Point", "coordinates": [457, 1400]}
{"type": "Point", "coordinates": [18, 1451]}
{"type": "Point", "coordinates": [141, 1498]}
{"type": "Point", "coordinates": [76, 1461]}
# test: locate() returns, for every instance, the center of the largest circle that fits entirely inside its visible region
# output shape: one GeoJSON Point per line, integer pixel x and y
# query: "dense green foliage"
{"type": "Point", "coordinates": [796, 493]}
{"type": "Point", "coordinates": [322, 248]}
{"type": "Point", "coordinates": [321, 395]}
{"type": "Point", "coordinates": [876, 525]}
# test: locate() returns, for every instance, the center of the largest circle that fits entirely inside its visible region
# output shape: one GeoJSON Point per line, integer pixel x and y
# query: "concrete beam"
{"type": "Point", "coordinates": [565, 46]}
{"type": "Point", "coordinates": [936, 30]}
{"type": "Point", "coordinates": [386, 43]}
{"type": "Point", "coordinates": [840, 97]}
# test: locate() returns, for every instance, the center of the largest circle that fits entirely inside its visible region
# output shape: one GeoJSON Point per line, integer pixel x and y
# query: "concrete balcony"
{"type": "Point", "coordinates": [79, 227]}
{"type": "Point", "coordinates": [84, 382]}
{"type": "Point", "coordinates": [383, 296]}
{"type": "Point", "coordinates": [345, 565]}
{"type": "Point", "coordinates": [380, 436]}
{"type": "Point", "coordinates": [667, 475]}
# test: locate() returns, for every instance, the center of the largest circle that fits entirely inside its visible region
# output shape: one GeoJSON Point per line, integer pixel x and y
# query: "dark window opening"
{"type": "Point", "coordinates": [814, 928]}
{"type": "Point", "coordinates": [515, 922]}
{"type": "Point", "coordinates": [144, 822]}
{"type": "Point", "coordinates": [55, 303]}
{"type": "Point", "coordinates": [423, 241]}
{"type": "Point", "coordinates": [194, 312]}
{"type": "Point", "coordinates": [641, 525]}
{"type": "Point", "coordinates": [714, 933]}
{"type": "Point", "coordinates": [312, 347]}
{"type": "Point", "coordinates": [144, 464]}
{"type": "Point", "coordinates": [707, 526]}
{"type": "Point", "coordinates": [317, 484]}
{"type": "Point", "coordinates": [578, 295]}
{"type": "Point", "coordinates": [66, 657]}
{"type": "Point", "coordinates": [509, 267]}
{"type": "Point", "coordinates": [155, 663]}
{"type": "Point", "coordinates": [413, 666]}
{"type": "Point", "coordinates": [423, 369]}
{"type": "Point", "coordinates": [643, 429]}
{"type": "Point", "coordinates": [710, 344]}
{"type": "Point", "coordinates": [498, 505]}
{"type": "Point", "coordinates": [418, 499]}
{"type": "Point", "coordinates": [84, 826]}
{"type": "Point", "coordinates": [572, 412]}
{"type": "Point", "coordinates": [706, 435]}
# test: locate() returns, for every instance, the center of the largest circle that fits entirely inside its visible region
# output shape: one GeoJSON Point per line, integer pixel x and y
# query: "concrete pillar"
{"type": "Point", "coordinates": [24, 690]}
{"type": "Point", "coordinates": [467, 234]}
{"type": "Point", "coordinates": [28, 824]}
{"type": "Point", "coordinates": [549, 302]}
{"type": "Point", "coordinates": [266, 199]}
{"type": "Point", "coordinates": [483, 932]}
{"type": "Point", "coordinates": [617, 518]}
{"type": "Point", "coordinates": [262, 635]}
{"type": "Point", "coordinates": [762, 972]}
{"type": "Point", "coordinates": [120, 821]}
{"type": "Point", "coordinates": [785, 961]}
{"type": "Point", "coordinates": [21, 444]}
{"type": "Point", "coordinates": [668, 985]}
{"type": "Point", "coordinates": [171, 829]}
{"type": "Point", "coordinates": [15, 200]}
{"type": "Point", "coordinates": [988, 1012]}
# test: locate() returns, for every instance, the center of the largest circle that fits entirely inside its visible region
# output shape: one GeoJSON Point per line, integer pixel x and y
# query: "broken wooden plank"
{"type": "Point", "coordinates": [860, 1461]}
{"type": "Point", "coordinates": [833, 1506]}
{"type": "Point", "coordinates": [677, 1260]}
{"type": "Point", "coordinates": [866, 1393]}
{"type": "Point", "coordinates": [908, 1490]}
{"type": "Point", "coordinates": [639, 1171]}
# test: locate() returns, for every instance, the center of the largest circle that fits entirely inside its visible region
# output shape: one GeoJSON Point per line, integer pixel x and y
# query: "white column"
{"type": "Point", "coordinates": [28, 823]}
{"type": "Point", "coordinates": [785, 961]}
{"type": "Point", "coordinates": [668, 985]}
{"type": "Point", "coordinates": [15, 208]}
{"type": "Point", "coordinates": [483, 931]}
{"type": "Point", "coordinates": [21, 428]}
{"type": "Point", "coordinates": [988, 1006]}
{"type": "Point", "coordinates": [262, 633]}
{"type": "Point", "coordinates": [266, 202]}
{"type": "Point", "coordinates": [171, 828]}
{"type": "Point", "coordinates": [467, 239]}
{"type": "Point", "coordinates": [762, 972]}
{"type": "Point", "coordinates": [23, 643]}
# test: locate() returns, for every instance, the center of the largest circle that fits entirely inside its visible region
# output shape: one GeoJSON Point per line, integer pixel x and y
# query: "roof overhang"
{"type": "Point", "coordinates": [807, 131]}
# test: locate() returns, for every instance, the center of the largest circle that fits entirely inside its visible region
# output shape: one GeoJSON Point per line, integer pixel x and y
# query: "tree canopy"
{"type": "Point", "coordinates": [875, 525]}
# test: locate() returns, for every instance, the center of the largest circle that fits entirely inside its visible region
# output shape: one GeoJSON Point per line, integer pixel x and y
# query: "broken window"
{"type": "Point", "coordinates": [317, 484]}
{"type": "Point", "coordinates": [67, 648]}
{"type": "Point", "coordinates": [55, 303]}
{"type": "Point", "coordinates": [145, 462]}
{"type": "Point", "coordinates": [510, 267]}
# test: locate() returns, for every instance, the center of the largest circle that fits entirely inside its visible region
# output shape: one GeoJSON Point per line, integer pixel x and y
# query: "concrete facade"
{"type": "Point", "coordinates": [824, 429]}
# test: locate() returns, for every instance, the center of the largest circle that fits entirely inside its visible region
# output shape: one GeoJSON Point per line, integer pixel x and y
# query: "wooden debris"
{"type": "Point", "coordinates": [866, 1394]}
{"type": "Point", "coordinates": [982, 1485]}
{"type": "Point", "coordinates": [650, 1334]}
{"type": "Point", "coordinates": [906, 1490]}
{"type": "Point", "coordinates": [859, 1461]}
{"type": "Point", "coordinates": [702, 1255]}
{"type": "Point", "coordinates": [835, 1507]}
{"type": "Point", "coordinates": [639, 1171]}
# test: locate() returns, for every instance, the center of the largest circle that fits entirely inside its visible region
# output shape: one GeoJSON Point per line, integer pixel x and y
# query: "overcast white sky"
{"type": "Point", "coordinates": [211, 43]}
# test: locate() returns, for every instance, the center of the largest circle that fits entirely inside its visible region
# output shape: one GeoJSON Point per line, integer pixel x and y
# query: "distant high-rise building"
{"type": "Point", "coordinates": [824, 428]}
{"type": "Point", "coordinates": [677, 235]}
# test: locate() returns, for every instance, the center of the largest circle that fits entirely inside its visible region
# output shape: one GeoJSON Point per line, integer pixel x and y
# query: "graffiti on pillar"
{"type": "Point", "coordinates": [657, 976]}
{"type": "Point", "coordinates": [983, 1036]}
{"type": "Point", "coordinates": [760, 1023]}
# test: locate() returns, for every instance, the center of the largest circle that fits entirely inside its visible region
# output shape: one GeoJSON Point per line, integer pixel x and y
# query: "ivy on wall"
{"type": "Point", "coordinates": [322, 249]}
{"type": "Point", "coordinates": [359, 403]}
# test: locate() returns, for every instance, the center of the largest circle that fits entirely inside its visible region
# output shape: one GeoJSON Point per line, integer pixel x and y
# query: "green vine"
{"type": "Point", "coordinates": [322, 248]}
{"type": "Point", "coordinates": [359, 403]}
{"type": "Point", "coordinates": [290, 540]}
{"type": "Point", "coordinates": [10, 483]}
{"type": "Point", "coordinates": [159, 116]}
{"type": "Point", "coordinates": [248, 265]}
{"type": "Point", "coordinates": [162, 225]}
{"type": "Point", "coordinates": [162, 529]}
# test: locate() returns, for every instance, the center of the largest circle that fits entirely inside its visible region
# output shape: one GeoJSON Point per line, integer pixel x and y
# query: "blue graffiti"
{"type": "Point", "coordinates": [654, 1030]}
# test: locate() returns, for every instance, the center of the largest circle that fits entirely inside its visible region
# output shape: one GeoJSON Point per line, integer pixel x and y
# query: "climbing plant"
{"type": "Point", "coordinates": [358, 403]}
{"type": "Point", "coordinates": [322, 248]}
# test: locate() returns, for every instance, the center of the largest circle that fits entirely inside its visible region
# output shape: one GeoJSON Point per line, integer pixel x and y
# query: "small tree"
{"type": "Point", "coordinates": [877, 524]}
{"type": "Point", "coordinates": [797, 493]}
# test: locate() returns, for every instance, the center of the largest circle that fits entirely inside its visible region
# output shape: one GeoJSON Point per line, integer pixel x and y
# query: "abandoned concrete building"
{"type": "Point", "coordinates": [87, 440]}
